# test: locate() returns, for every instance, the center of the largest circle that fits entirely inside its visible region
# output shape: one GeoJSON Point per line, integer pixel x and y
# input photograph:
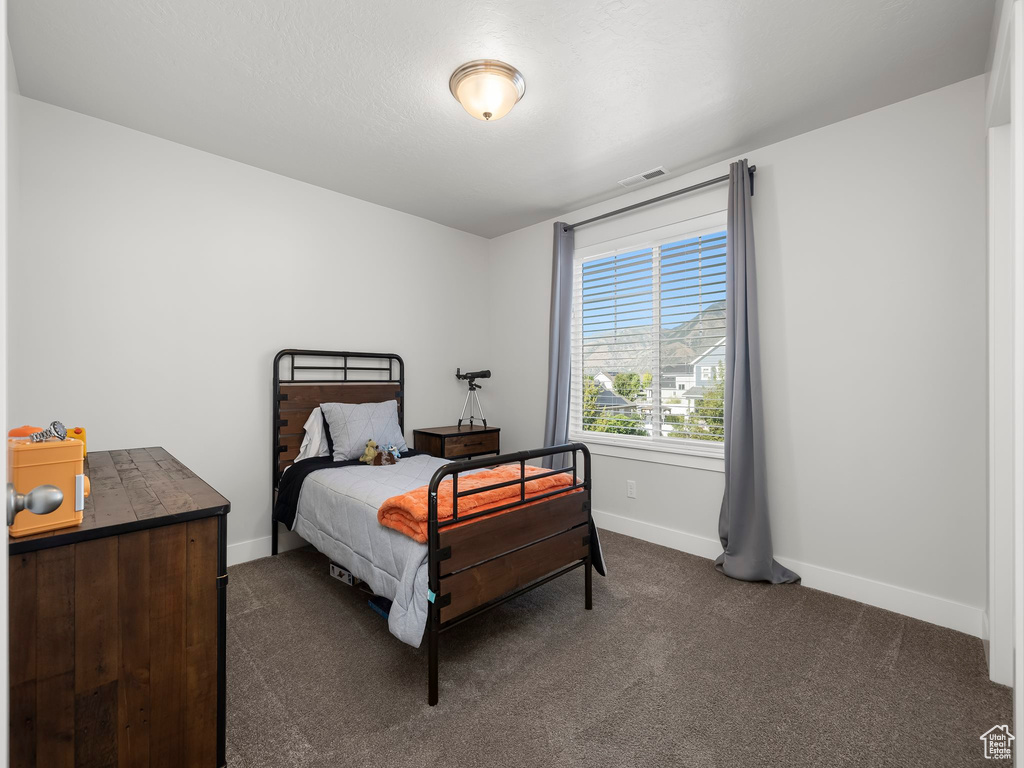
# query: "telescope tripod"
{"type": "Point", "coordinates": [472, 397]}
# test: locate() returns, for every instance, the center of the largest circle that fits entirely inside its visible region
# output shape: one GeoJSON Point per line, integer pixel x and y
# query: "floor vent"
{"type": "Point", "coordinates": [640, 178]}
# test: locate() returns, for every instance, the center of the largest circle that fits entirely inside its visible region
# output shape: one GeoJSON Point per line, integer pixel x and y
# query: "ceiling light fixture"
{"type": "Point", "coordinates": [486, 88]}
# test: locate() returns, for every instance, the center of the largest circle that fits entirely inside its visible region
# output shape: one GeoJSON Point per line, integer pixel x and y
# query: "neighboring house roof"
{"type": "Point", "coordinates": [677, 370]}
{"type": "Point", "coordinates": [710, 351]}
{"type": "Point", "coordinates": [608, 399]}
{"type": "Point", "coordinates": [694, 392]}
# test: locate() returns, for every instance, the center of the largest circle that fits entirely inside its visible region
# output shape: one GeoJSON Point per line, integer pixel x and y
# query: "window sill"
{"type": "Point", "coordinates": [711, 459]}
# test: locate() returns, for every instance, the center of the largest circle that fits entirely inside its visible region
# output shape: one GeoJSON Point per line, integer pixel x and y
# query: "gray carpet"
{"type": "Point", "coordinates": [676, 665]}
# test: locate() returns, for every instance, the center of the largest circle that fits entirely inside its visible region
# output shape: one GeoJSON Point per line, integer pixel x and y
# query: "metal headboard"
{"type": "Point", "coordinates": [304, 378]}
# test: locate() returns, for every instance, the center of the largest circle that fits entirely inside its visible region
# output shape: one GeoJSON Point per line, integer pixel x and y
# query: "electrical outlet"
{"type": "Point", "coordinates": [631, 489]}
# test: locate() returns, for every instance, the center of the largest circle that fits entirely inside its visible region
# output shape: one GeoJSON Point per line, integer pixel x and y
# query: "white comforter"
{"type": "Point", "coordinates": [337, 514]}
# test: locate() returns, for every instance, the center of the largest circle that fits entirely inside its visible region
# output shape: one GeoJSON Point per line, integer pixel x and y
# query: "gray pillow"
{"type": "Point", "coordinates": [352, 424]}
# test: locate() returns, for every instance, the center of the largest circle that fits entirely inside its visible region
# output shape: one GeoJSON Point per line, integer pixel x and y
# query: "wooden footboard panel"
{"type": "Point", "coordinates": [467, 545]}
{"type": "Point", "coordinates": [482, 583]}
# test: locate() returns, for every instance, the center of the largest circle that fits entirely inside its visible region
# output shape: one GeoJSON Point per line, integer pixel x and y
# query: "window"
{"type": "Point", "coordinates": [648, 314]}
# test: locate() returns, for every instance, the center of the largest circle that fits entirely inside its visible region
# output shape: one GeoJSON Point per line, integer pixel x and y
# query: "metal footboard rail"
{"type": "Point", "coordinates": [540, 532]}
{"type": "Point", "coordinates": [454, 468]}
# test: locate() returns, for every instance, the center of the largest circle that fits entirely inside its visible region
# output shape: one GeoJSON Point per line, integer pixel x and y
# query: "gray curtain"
{"type": "Point", "coordinates": [743, 525]}
{"type": "Point", "coordinates": [556, 422]}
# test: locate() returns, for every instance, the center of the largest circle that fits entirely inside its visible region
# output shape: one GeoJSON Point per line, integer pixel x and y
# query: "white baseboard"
{"type": "Point", "coordinates": [986, 639]}
{"type": "Point", "coordinates": [254, 549]}
{"type": "Point", "coordinates": [917, 605]}
{"type": "Point", "coordinates": [657, 534]}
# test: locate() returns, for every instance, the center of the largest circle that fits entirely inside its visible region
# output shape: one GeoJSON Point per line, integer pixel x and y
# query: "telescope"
{"type": "Point", "coordinates": [471, 375]}
{"type": "Point", "coordinates": [471, 396]}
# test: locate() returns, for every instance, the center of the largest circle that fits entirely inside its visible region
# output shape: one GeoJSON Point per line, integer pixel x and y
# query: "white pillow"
{"type": "Point", "coordinates": [315, 441]}
{"type": "Point", "coordinates": [353, 424]}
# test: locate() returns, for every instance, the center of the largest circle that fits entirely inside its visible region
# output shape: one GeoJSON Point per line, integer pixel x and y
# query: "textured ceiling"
{"type": "Point", "coordinates": [352, 95]}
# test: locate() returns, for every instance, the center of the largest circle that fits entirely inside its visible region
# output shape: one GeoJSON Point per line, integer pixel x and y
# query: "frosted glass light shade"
{"type": "Point", "coordinates": [486, 88]}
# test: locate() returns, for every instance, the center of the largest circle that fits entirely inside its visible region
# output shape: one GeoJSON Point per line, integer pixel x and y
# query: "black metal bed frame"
{"type": "Point", "coordinates": [436, 553]}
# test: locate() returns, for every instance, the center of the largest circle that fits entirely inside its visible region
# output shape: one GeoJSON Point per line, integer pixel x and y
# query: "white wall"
{"type": "Point", "coordinates": [1015, 57]}
{"type": "Point", "coordinates": [871, 252]}
{"type": "Point", "coordinates": [1004, 104]}
{"type": "Point", "coordinates": [998, 630]}
{"type": "Point", "coordinates": [155, 283]}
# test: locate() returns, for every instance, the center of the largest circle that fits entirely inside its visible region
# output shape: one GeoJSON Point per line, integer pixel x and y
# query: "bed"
{"type": "Point", "coordinates": [471, 561]}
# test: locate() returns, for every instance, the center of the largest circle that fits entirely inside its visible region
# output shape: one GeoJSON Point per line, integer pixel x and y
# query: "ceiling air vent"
{"type": "Point", "coordinates": [640, 178]}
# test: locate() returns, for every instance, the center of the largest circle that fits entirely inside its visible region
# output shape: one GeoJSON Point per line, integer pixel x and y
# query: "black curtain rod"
{"type": "Point", "coordinates": [658, 199]}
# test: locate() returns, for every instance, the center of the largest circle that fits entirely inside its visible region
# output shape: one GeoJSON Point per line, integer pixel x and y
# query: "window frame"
{"type": "Point", "coordinates": [705, 454]}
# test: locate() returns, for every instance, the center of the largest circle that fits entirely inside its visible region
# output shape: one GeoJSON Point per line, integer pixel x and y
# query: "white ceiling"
{"type": "Point", "coordinates": [352, 95]}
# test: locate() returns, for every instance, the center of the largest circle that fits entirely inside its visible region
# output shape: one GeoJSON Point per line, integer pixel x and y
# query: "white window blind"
{"type": "Point", "coordinates": [648, 346]}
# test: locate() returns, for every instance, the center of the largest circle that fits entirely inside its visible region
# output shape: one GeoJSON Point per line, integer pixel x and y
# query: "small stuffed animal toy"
{"type": "Point", "coordinates": [382, 458]}
{"type": "Point", "coordinates": [370, 453]}
{"type": "Point", "coordinates": [378, 458]}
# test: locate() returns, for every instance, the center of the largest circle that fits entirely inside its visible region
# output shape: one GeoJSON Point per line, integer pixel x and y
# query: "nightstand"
{"type": "Point", "coordinates": [457, 442]}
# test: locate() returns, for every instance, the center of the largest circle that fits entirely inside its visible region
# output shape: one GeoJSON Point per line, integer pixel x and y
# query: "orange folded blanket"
{"type": "Point", "coordinates": [407, 513]}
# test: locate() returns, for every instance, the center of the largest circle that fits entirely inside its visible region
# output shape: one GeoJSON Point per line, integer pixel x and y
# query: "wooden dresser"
{"type": "Point", "coordinates": [117, 625]}
{"type": "Point", "coordinates": [457, 442]}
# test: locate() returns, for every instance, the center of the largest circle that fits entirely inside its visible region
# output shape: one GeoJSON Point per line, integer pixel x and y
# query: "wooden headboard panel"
{"type": "Point", "coordinates": [304, 378]}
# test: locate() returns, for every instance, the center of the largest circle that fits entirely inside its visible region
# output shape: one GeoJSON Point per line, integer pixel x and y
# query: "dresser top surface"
{"type": "Point", "coordinates": [131, 490]}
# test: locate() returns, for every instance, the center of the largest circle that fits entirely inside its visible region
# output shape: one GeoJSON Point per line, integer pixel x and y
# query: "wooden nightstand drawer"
{"type": "Point", "coordinates": [457, 442]}
{"type": "Point", "coordinates": [470, 445]}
